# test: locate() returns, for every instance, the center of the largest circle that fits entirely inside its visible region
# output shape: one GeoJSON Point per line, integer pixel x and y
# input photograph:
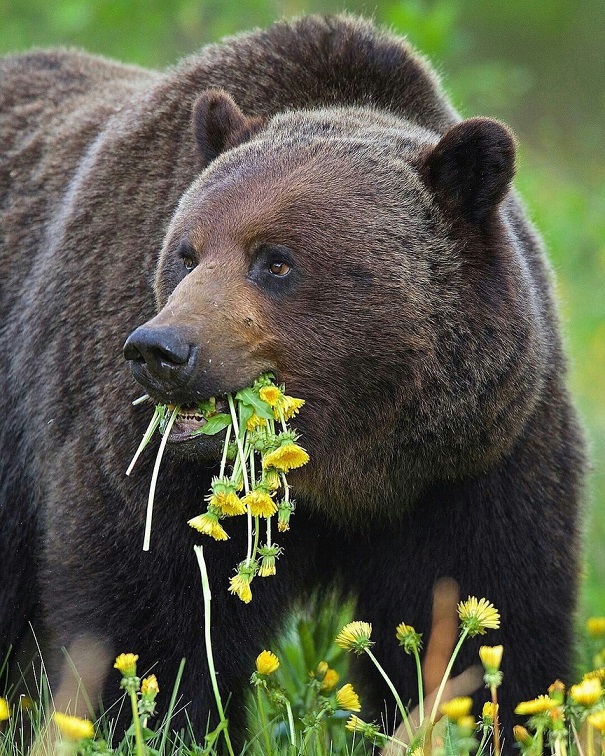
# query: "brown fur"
{"type": "Point", "coordinates": [419, 326]}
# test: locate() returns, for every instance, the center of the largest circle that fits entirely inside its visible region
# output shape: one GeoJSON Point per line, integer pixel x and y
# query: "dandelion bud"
{"type": "Point", "coordinates": [522, 736]}
{"type": "Point", "coordinates": [369, 730]}
{"type": "Point", "coordinates": [490, 711]}
{"type": "Point", "coordinates": [271, 479]}
{"type": "Point", "coordinates": [408, 638]}
{"type": "Point", "coordinates": [150, 687]}
{"type": "Point", "coordinates": [266, 663]}
{"type": "Point", "coordinates": [268, 556]}
{"type": "Point", "coordinates": [284, 512]}
{"type": "Point", "coordinates": [322, 668]}
{"type": "Point", "coordinates": [467, 724]}
{"type": "Point", "coordinates": [491, 657]}
{"type": "Point", "coordinates": [557, 691]}
{"type": "Point", "coordinates": [329, 681]}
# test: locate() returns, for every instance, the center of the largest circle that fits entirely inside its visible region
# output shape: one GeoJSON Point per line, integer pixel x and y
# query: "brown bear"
{"type": "Point", "coordinates": [324, 214]}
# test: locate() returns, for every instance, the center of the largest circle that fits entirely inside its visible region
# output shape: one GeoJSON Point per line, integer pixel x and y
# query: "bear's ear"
{"type": "Point", "coordinates": [471, 168]}
{"type": "Point", "coordinates": [219, 125]}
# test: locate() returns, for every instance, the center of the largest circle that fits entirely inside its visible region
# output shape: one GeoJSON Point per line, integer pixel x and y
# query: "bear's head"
{"type": "Point", "coordinates": [372, 266]}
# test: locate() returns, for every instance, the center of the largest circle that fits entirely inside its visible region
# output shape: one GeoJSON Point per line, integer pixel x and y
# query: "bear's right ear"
{"type": "Point", "coordinates": [471, 167]}
{"type": "Point", "coordinates": [219, 125]}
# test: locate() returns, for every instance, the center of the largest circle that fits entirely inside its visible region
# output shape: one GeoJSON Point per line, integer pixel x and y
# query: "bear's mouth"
{"type": "Point", "coordinates": [190, 420]}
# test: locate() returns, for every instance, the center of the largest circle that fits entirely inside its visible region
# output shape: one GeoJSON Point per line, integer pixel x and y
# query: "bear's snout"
{"type": "Point", "coordinates": [163, 353]}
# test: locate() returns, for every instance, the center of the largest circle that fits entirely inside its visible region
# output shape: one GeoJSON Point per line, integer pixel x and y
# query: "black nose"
{"type": "Point", "coordinates": [163, 350]}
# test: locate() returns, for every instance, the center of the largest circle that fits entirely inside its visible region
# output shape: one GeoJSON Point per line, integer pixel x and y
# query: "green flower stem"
{"type": "Point", "coordinates": [256, 536]}
{"type": "Point", "coordinates": [286, 487]}
{"type": "Point", "coordinates": [589, 739]}
{"type": "Point", "coordinates": [269, 532]}
{"type": "Point", "coordinates": [225, 450]}
{"type": "Point", "coordinates": [154, 478]}
{"type": "Point", "coordinates": [239, 440]}
{"type": "Point", "coordinates": [494, 692]}
{"type": "Point", "coordinates": [263, 720]}
{"type": "Point", "coordinates": [151, 428]}
{"type": "Point", "coordinates": [387, 679]}
{"type": "Point", "coordinates": [282, 421]}
{"type": "Point", "coordinates": [138, 733]}
{"type": "Point", "coordinates": [420, 686]}
{"type": "Point", "coordinates": [312, 731]}
{"type": "Point", "coordinates": [446, 674]}
{"type": "Point", "coordinates": [291, 724]}
{"type": "Point", "coordinates": [199, 552]}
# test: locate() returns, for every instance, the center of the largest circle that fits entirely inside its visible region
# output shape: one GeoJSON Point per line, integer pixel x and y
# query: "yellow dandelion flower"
{"type": "Point", "coordinates": [287, 457]}
{"type": "Point", "coordinates": [209, 525]}
{"type": "Point", "coordinates": [330, 680]}
{"type": "Point", "coordinates": [490, 710]}
{"type": "Point", "coordinates": [491, 657]}
{"type": "Point", "coordinates": [522, 736]}
{"type": "Point", "coordinates": [228, 502]}
{"type": "Point", "coordinates": [240, 585]}
{"type": "Point", "coordinates": [127, 664]}
{"type": "Point", "coordinates": [596, 626]}
{"type": "Point", "coordinates": [457, 708]}
{"type": "Point", "coordinates": [597, 720]}
{"type": "Point", "coordinates": [467, 723]}
{"type": "Point", "coordinates": [587, 693]}
{"type": "Point", "coordinates": [355, 636]}
{"type": "Point", "coordinates": [74, 728]}
{"type": "Point", "coordinates": [539, 705]}
{"type": "Point", "coordinates": [355, 723]}
{"type": "Point", "coordinates": [347, 699]}
{"type": "Point", "coordinates": [266, 663]}
{"type": "Point", "coordinates": [599, 674]}
{"type": "Point", "coordinates": [478, 615]}
{"type": "Point", "coordinates": [260, 502]}
{"type": "Point", "coordinates": [5, 711]}
{"type": "Point", "coordinates": [254, 422]}
{"type": "Point", "coordinates": [270, 394]}
{"type": "Point", "coordinates": [288, 406]}
{"type": "Point", "coordinates": [150, 687]}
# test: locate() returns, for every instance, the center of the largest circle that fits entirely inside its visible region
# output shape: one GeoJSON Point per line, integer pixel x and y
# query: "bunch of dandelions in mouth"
{"type": "Point", "coordinates": [259, 450]}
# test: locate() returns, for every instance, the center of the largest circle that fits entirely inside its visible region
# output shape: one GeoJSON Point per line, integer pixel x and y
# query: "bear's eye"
{"type": "Point", "coordinates": [188, 263]}
{"type": "Point", "coordinates": [279, 268]}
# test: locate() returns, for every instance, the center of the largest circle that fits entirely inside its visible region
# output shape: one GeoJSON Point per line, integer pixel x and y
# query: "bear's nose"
{"type": "Point", "coordinates": [162, 350]}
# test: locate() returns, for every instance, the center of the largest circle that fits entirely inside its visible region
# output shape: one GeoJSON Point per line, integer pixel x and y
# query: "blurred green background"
{"type": "Point", "coordinates": [540, 67]}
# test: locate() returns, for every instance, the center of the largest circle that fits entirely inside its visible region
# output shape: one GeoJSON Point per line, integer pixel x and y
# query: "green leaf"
{"type": "Point", "coordinates": [214, 425]}
{"type": "Point", "coordinates": [251, 398]}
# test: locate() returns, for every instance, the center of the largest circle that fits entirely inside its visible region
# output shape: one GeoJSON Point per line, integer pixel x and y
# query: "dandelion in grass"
{"type": "Point", "coordinates": [267, 663]}
{"type": "Point", "coordinates": [597, 720]}
{"type": "Point", "coordinates": [355, 636]}
{"type": "Point", "coordinates": [596, 626]}
{"type": "Point", "coordinates": [477, 616]}
{"type": "Point", "coordinates": [490, 711]}
{"type": "Point", "coordinates": [74, 728]}
{"type": "Point", "coordinates": [209, 525]}
{"type": "Point", "coordinates": [347, 698]}
{"type": "Point", "coordinates": [539, 705]}
{"type": "Point", "coordinates": [4, 710]}
{"type": "Point", "coordinates": [457, 708]}
{"type": "Point", "coordinates": [127, 664]}
{"type": "Point", "coordinates": [587, 693]}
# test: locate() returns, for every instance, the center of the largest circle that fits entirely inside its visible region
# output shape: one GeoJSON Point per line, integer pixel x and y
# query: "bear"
{"type": "Point", "coordinates": [302, 200]}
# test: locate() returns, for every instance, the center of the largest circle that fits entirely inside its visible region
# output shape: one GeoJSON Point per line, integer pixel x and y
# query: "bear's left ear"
{"type": "Point", "coordinates": [219, 125]}
{"type": "Point", "coordinates": [471, 168]}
